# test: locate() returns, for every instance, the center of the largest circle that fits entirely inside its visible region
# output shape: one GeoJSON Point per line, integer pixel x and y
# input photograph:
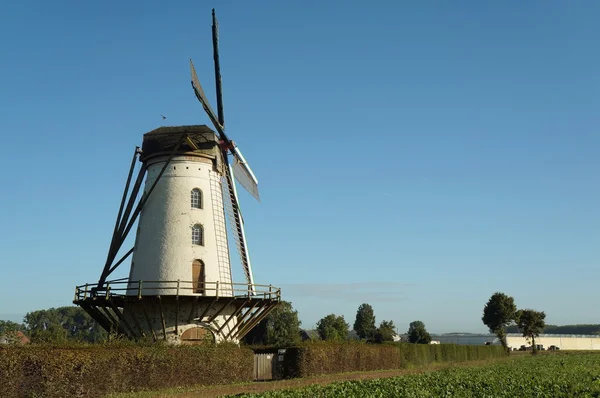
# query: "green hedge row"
{"type": "Point", "coordinates": [95, 371]}
{"type": "Point", "coordinates": [324, 358]}
{"type": "Point", "coordinates": [98, 370]}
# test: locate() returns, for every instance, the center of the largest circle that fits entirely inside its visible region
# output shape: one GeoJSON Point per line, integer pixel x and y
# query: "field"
{"type": "Point", "coordinates": [546, 375]}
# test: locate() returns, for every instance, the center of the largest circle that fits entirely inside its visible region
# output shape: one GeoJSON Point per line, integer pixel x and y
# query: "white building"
{"type": "Point", "coordinates": [515, 340]}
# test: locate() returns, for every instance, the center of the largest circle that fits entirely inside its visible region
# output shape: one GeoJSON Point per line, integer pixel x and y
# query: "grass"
{"type": "Point", "coordinates": [566, 374]}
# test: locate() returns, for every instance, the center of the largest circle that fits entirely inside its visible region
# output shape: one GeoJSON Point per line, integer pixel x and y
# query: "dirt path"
{"type": "Point", "coordinates": [258, 387]}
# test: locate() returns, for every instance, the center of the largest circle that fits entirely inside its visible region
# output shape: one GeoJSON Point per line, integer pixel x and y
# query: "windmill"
{"type": "Point", "coordinates": [180, 286]}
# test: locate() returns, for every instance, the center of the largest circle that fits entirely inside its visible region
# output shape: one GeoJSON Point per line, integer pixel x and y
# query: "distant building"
{"type": "Point", "coordinates": [18, 338]}
{"type": "Point", "coordinates": [516, 340]}
{"type": "Point", "coordinates": [562, 341]}
{"type": "Point", "coordinates": [309, 335]}
{"type": "Point", "coordinates": [465, 338]}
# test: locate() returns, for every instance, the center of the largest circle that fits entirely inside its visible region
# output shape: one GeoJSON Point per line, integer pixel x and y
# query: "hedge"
{"type": "Point", "coordinates": [99, 370]}
{"type": "Point", "coordinates": [325, 358]}
{"type": "Point", "coordinates": [95, 371]}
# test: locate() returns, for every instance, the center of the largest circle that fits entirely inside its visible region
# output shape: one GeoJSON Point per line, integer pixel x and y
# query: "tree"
{"type": "Point", "coordinates": [62, 324]}
{"type": "Point", "coordinates": [8, 331]}
{"type": "Point", "coordinates": [9, 327]}
{"type": "Point", "coordinates": [531, 323]}
{"type": "Point", "coordinates": [385, 332]}
{"type": "Point", "coordinates": [280, 328]}
{"type": "Point", "coordinates": [364, 325]}
{"type": "Point", "coordinates": [418, 334]}
{"type": "Point", "coordinates": [333, 327]}
{"type": "Point", "coordinates": [498, 313]}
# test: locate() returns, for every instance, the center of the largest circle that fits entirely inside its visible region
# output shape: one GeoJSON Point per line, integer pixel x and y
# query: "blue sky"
{"type": "Point", "coordinates": [417, 156]}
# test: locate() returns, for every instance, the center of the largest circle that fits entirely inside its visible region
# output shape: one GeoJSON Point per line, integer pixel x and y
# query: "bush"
{"type": "Point", "coordinates": [325, 357]}
{"type": "Point", "coordinates": [94, 371]}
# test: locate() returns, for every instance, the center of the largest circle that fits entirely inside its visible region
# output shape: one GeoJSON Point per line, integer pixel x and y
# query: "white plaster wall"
{"type": "Point", "coordinates": [516, 341]}
{"type": "Point", "coordinates": [163, 249]}
{"type": "Point", "coordinates": [563, 342]}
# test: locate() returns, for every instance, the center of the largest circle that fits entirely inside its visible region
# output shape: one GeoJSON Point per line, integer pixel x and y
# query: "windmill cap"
{"type": "Point", "coordinates": [165, 139]}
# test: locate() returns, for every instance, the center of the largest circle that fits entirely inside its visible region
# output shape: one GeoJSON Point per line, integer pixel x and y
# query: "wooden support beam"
{"type": "Point", "coordinates": [114, 267]}
{"type": "Point", "coordinates": [177, 309]}
{"type": "Point", "coordinates": [193, 310]}
{"type": "Point", "coordinates": [240, 321]}
{"type": "Point", "coordinates": [235, 313]}
{"type": "Point", "coordinates": [119, 315]}
{"type": "Point", "coordinates": [150, 326]}
{"type": "Point", "coordinates": [205, 312]}
{"type": "Point", "coordinates": [145, 197]}
{"type": "Point", "coordinates": [254, 321]}
{"type": "Point", "coordinates": [191, 143]}
{"type": "Point", "coordinates": [162, 318]}
{"type": "Point", "coordinates": [118, 221]}
{"type": "Point", "coordinates": [137, 324]}
{"type": "Point", "coordinates": [117, 239]}
{"type": "Point", "coordinates": [216, 314]}
{"type": "Point", "coordinates": [96, 314]}
{"type": "Point", "coordinates": [115, 324]}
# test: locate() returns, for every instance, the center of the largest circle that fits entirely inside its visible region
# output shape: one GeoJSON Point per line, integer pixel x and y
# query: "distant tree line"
{"type": "Point", "coordinates": [56, 325]}
{"type": "Point", "coordinates": [282, 327]}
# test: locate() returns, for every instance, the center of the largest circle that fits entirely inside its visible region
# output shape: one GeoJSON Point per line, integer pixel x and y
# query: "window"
{"type": "Point", "coordinates": [198, 235]}
{"type": "Point", "coordinates": [196, 198]}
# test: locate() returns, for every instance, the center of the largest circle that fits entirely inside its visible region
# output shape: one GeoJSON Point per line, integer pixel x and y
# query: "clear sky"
{"type": "Point", "coordinates": [418, 156]}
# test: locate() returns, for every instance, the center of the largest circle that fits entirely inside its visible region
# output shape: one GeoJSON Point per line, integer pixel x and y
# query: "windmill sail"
{"type": "Point", "coordinates": [203, 100]}
{"type": "Point", "coordinates": [244, 175]}
{"type": "Point", "coordinates": [241, 170]}
{"type": "Point", "coordinates": [236, 222]}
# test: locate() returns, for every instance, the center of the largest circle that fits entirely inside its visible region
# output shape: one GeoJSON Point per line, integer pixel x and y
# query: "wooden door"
{"type": "Point", "coordinates": [198, 276]}
{"type": "Point", "coordinates": [197, 335]}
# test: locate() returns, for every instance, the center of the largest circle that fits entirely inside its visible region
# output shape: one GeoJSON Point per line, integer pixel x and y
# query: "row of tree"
{"type": "Point", "coordinates": [500, 312]}
{"type": "Point", "coordinates": [56, 325]}
{"type": "Point", "coordinates": [282, 327]}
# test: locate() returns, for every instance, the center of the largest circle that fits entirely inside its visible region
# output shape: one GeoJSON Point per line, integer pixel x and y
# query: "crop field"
{"type": "Point", "coordinates": [547, 375]}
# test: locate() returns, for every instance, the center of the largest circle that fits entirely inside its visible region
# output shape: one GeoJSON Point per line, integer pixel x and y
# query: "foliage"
{"type": "Point", "coordinates": [63, 324]}
{"type": "Point", "coordinates": [385, 332]}
{"type": "Point", "coordinates": [329, 357]}
{"type": "Point", "coordinates": [498, 313]}
{"type": "Point", "coordinates": [531, 323]}
{"type": "Point", "coordinates": [8, 331]}
{"type": "Point", "coordinates": [418, 334]}
{"type": "Point", "coordinates": [364, 325]}
{"type": "Point", "coordinates": [9, 326]}
{"type": "Point", "coordinates": [99, 369]}
{"type": "Point", "coordinates": [333, 328]}
{"type": "Point", "coordinates": [281, 327]}
{"type": "Point", "coordinates": [589, 329]}
{"type": "Point", "coordinates": [547, 376]}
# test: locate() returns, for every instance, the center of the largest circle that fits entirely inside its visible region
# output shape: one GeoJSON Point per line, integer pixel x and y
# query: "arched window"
{"type": "Point", "coordinates": [198, 235]}
{"type": "Point", "coordinates": [196, 198]}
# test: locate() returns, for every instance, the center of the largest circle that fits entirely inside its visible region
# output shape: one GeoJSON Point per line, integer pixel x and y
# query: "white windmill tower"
{"type": "Point", "coordinates": [180, 286]}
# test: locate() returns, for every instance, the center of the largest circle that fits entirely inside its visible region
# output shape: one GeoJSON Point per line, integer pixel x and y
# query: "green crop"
{"type": "Point", "coordinates": [558, 375]}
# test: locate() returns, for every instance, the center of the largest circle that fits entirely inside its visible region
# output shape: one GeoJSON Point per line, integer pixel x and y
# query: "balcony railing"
{"type": "Point", "coordinates": [125, 288]}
